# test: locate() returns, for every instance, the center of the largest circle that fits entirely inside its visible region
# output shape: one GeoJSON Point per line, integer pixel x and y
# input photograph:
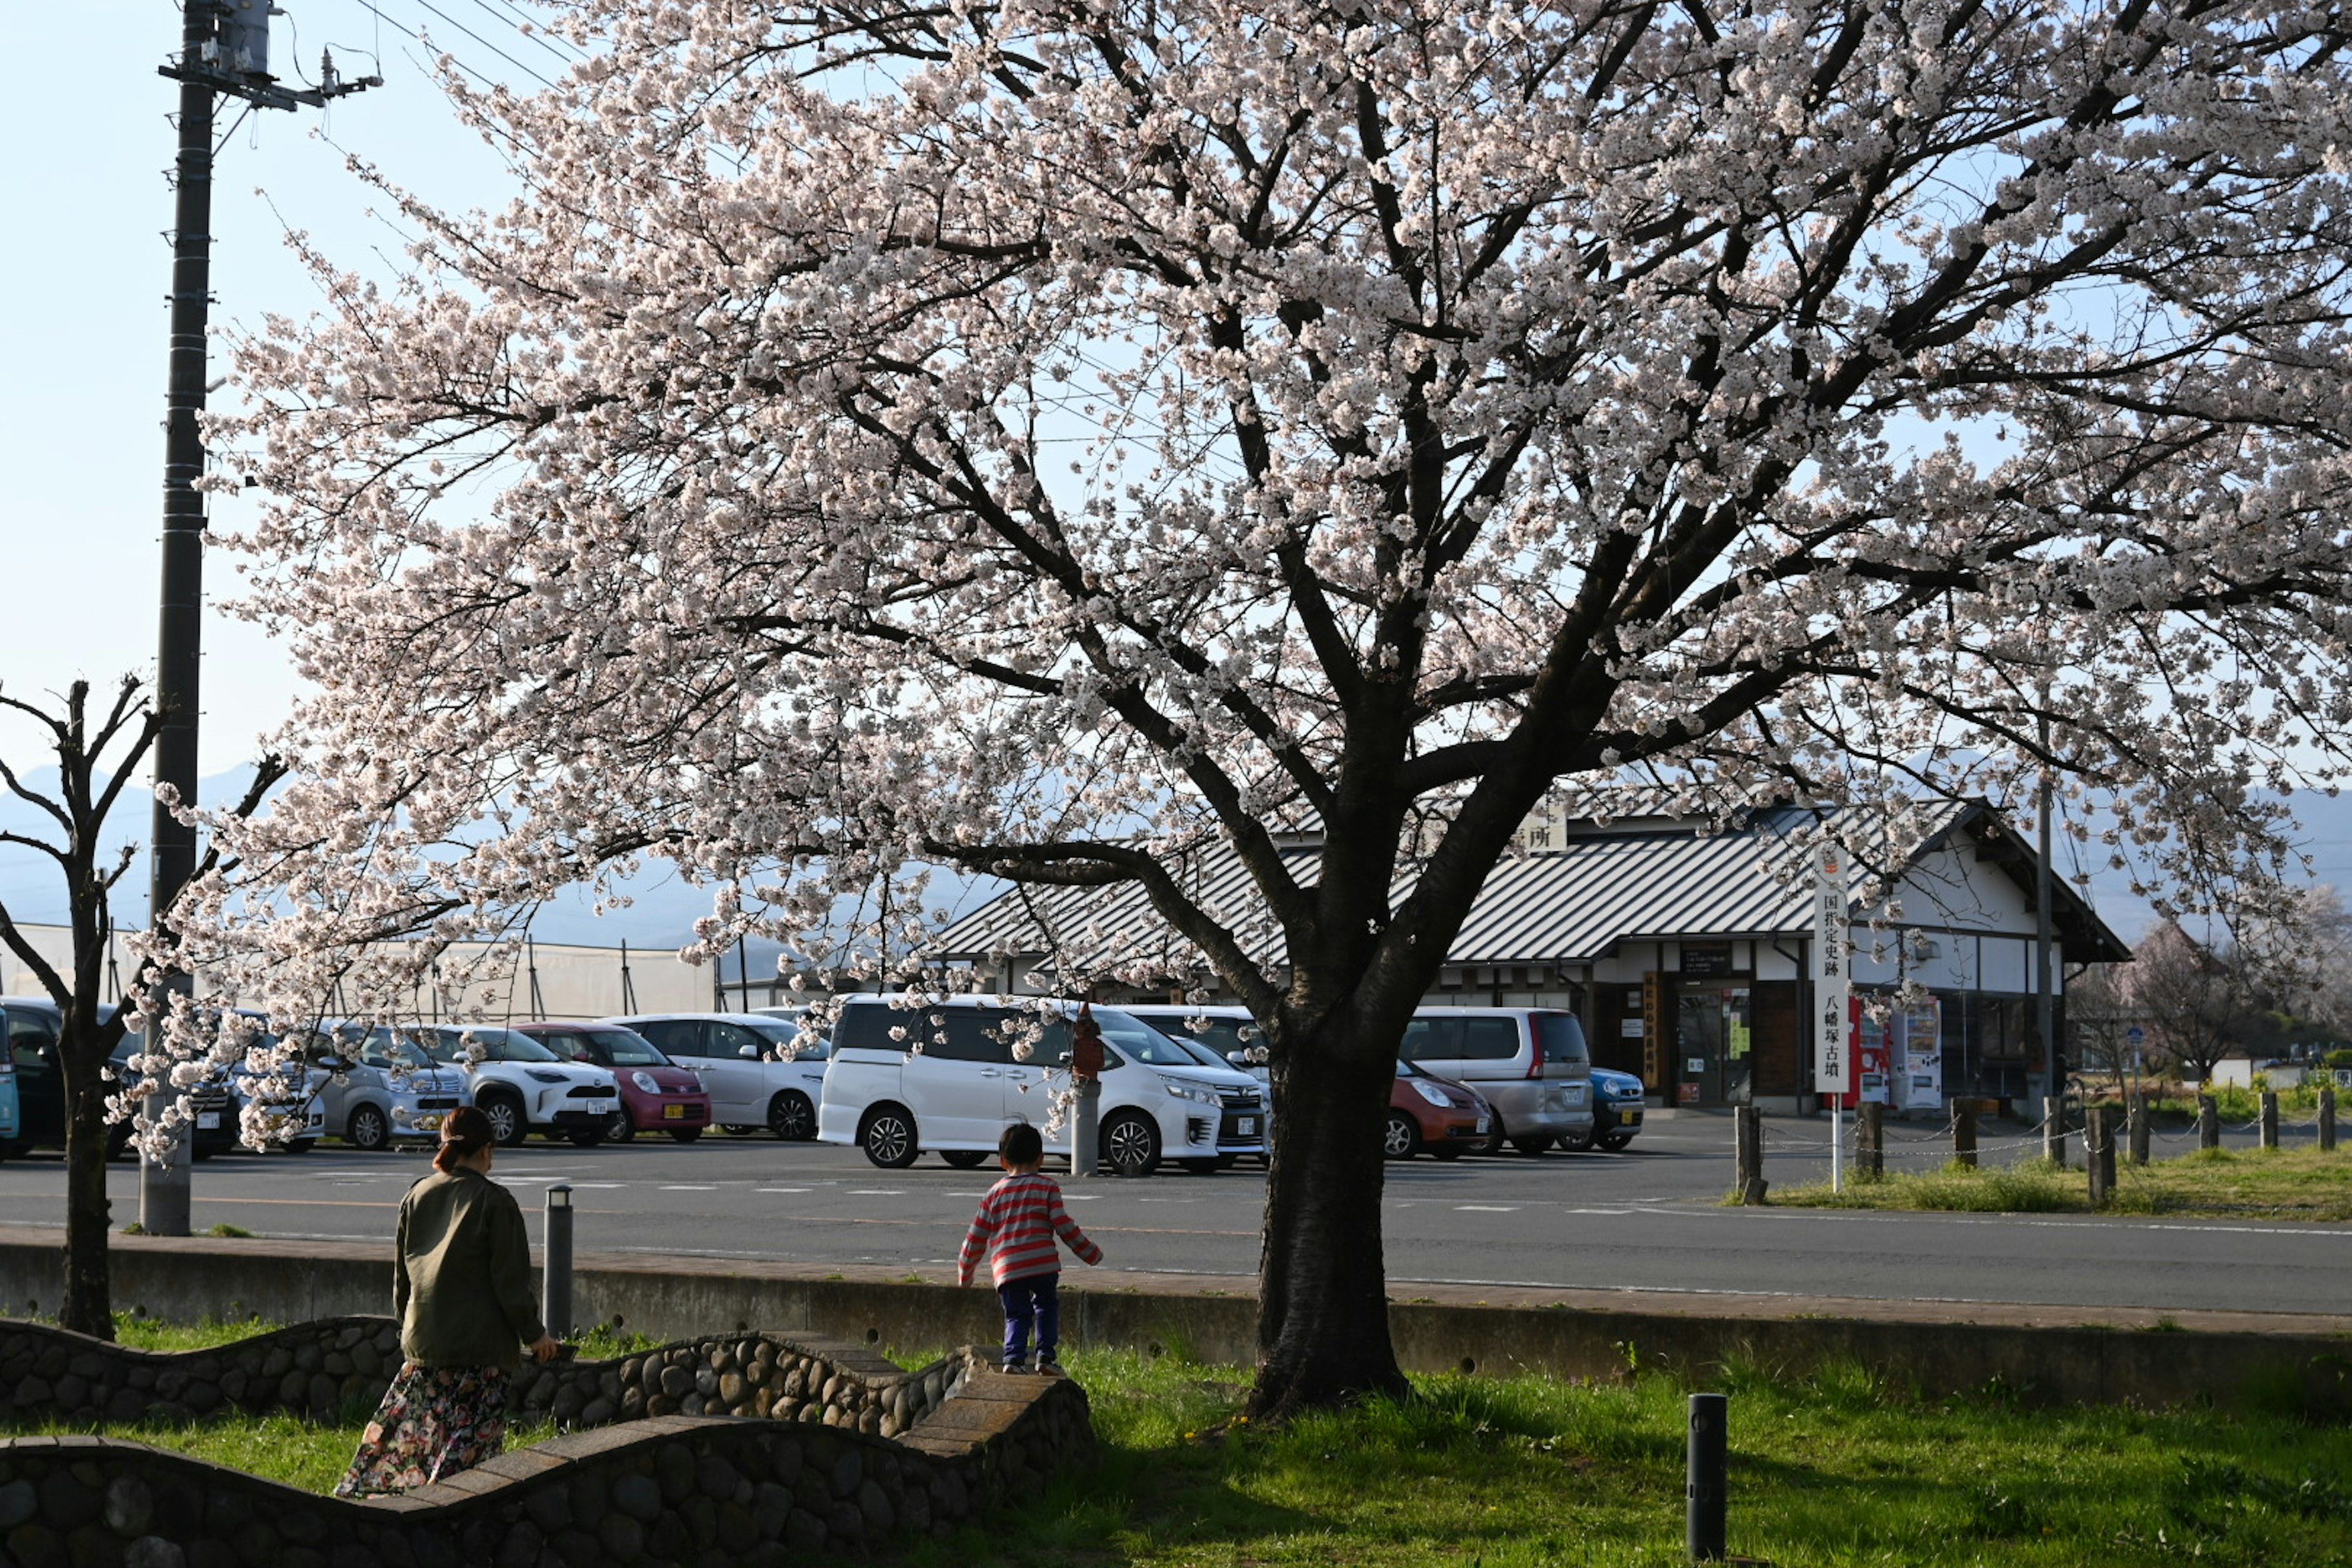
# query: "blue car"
{"type": "Point", "coordinates": [1617, 1099]}
{"type": "Point", "coordinates": [7, 1100]}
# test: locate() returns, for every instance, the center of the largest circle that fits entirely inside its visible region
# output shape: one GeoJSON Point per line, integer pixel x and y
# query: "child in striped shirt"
{"type": "Point", "coordinates": [1023, 1214]}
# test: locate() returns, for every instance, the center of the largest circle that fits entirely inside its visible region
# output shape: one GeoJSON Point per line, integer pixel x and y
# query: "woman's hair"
{"type": "Point", "coordinates": [465, 1133]}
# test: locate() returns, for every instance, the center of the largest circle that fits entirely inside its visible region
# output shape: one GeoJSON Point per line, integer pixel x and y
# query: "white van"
{"type": "Point", "coordinates": [761, 1069]}
{"type": "Point", "coordinates": [1529, 1063]}
{"type": "Point", "coordinates": [949, 1075]}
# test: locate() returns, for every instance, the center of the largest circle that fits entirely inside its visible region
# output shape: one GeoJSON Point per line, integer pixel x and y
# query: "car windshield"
{"type": "Point", "coordinates": [788, 1040]}
{"type": "Point", "coordinates": [1217, 1037]}
{"type": "Point", "coordinates": [623, 1049]}
{"type": "Point", "coordinates": [1135, 1038]}
{"type": "Point", "coordinates": [499, 1045]}
{"type": "Point", "coordinates": [383, 1049]}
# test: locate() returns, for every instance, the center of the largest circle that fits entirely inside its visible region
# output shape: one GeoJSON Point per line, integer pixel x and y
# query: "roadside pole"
{"type": "Point", "coordinates": [1831, 991]}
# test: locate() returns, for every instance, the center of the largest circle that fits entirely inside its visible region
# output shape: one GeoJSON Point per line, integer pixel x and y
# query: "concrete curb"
{"type": "Point", "coordinates": [2063, 1355]}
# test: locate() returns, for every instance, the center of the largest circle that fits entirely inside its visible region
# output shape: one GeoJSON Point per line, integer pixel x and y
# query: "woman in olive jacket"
{"type": "Point", "coordinates": [461, 1288]}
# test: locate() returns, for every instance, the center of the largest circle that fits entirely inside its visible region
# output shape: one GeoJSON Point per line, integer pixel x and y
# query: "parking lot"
{"type": "Point", "coordinates": [1645, 1219]}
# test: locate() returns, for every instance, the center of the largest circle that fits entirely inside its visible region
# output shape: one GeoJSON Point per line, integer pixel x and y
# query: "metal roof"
{"type": "Point", "coordinates": [1650, 880]}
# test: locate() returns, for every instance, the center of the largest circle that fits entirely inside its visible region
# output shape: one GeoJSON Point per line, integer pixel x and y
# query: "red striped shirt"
{"type": "Point", "coordinates": [1023, 1213]}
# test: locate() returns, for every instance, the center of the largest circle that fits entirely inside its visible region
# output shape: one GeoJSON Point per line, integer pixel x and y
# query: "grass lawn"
{"type": "Point", "coordinates": [2234, 1183]}
{"type": "Point", "coordinates": [1835, 1469]}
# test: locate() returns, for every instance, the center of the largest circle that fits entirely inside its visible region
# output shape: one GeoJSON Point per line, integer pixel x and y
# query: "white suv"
{"type": "Point", "coordinates": [761, 1070]}
{"type": "Point", "coordinates": [949, 1075]}
{"type": "Point", "coordinates": [522, 1087]}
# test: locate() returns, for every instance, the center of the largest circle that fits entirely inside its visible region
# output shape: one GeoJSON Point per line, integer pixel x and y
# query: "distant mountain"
{"type": "Point", "coordinates": [664, 906]}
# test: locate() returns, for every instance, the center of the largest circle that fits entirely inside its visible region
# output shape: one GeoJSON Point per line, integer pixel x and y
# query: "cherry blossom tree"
{"type": "Point", "coordinates": [1053, 439]}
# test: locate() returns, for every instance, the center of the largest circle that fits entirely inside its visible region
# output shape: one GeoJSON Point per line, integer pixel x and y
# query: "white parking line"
{"type": "Point", "coordinates": [1485, 1208]}
{"type": "Point", "coordinates": [779, 1189]}
{"type": "Point", "coordinates": [682, 1187]}
{"type": "Point", "coordinates": [878, 1192]}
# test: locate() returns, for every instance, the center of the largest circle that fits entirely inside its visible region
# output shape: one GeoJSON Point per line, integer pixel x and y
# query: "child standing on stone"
{"type": "Point", "coordinates": [1022, 1214]}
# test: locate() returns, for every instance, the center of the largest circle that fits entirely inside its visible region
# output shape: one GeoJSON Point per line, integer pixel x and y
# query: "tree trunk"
{"type": "Point", "coordinates": [89, 1307]}
{"type": "Point", "coordinates": [1323, 1317]}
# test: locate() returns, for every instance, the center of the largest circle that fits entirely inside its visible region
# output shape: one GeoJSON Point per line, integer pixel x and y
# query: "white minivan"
{"type": "Point", "coordinates": [949, 1075]}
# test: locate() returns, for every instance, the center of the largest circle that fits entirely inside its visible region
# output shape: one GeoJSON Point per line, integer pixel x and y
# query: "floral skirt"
{"type": "Point", "coordinates": [434, 1422]}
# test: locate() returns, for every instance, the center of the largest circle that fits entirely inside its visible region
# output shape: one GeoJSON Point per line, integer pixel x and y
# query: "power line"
{"type": "Point", "coordinates": [531, 29]}
{"type": "Point", "coordinates": [370, 5]}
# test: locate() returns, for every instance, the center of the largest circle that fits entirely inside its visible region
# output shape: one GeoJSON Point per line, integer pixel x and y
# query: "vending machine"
{"type": "Point", "coordinates": [1918, 1066]}
{"type": "Point", "coordinates": [1871, 1050]}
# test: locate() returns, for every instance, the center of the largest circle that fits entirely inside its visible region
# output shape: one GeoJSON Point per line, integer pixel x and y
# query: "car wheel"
{"type": "Point", "coordinates": [1532, 1144]}
{"type": "Point", "coordinates": [300, 1146]}
{"type": "Point", "coordinates": [1576, 1140]}
{"type": "Point", "coordinates": [1495, 1139]}
{"type": "Point", "coordinates": [889, 1138]}
{"type": "Point", "coordinates": [686, 1134]}
{"type": "Point", "coordinates": [1445, 1150]}
{"type": "Point", "coordinates": [1615, 1140]}
{"type": "Point", "coordinates": [736, 1129]}
{"type": "Point", "coordinates": [508, 1127]}
{"type": "Point", "coordinates": [587, 1137]}
{"type": "Point", "coordinates": [1130, 1144]}
{"type": "Point", "coordinates": [1400, 1138]}
{"type": "Point", "coordinates": [963, 1159]}
{"type": "Point", "coordinates": [368, 1129]}
{"type": "Point", "coordinates": [618, 1128]}
{"type": "Point", "coordinates": [792, 1118]}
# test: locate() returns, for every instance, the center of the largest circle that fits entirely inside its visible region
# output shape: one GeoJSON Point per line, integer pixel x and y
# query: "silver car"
{"type": "Point", "coordinates": [380, 1088]}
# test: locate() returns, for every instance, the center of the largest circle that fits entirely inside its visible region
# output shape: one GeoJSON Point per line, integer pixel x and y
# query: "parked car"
{"type": "Point", "coordinates": [1427, 1114]}
{"type": "Point", "coordinates": [761, 1070]}
{"type": "Point", "coordinates": [8, 1121]}
{"type": "Point", "coordinates": [523, 1086]}
{"type": "Point", "coordinates": [949, 1076]}
{"type": "Point", "coordinates": [1433, 1116]}
{"type": "Point", "coordinates": [381, 1088]}
{"type": "Point", "coordinates": [1530, 1064]}
{"type": "Point", "coordinates": [1617, 1102]}
{"type": "Point", "coordinates": [656, 1095]}
{"type": "Point", "coordinates": [33, 1025]}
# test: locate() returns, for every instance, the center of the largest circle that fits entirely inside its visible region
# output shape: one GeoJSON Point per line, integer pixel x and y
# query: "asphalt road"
{"type": "Point", "coordinates": [1641, 1220]}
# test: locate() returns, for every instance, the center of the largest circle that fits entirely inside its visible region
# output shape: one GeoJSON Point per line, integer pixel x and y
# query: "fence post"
{"type": "Point", "coordinates": [2328, 1117]}
{"type": "Point", "coordinates": [2209, 1123]}
{"type": "Point", "coordinates": [2269, 1119]}
{"type": "Point", "coordinates": [1748, 1124]}
{"type": "Point", "coordinates": [2053, 1130]}
{"type": "Point", "coordinates": [558, 1284]}
{"type": "Point", "coordinates": [1870, 1147]}
{"type": "Point", "coordinates": [2099, 1154]}
{"type": "Point", "coordinates": [1964, 1134]}
{"type": "Point", "coordinates": [1704, 1469]}
{"type": "Point", "coordinates": [2142, 1113]}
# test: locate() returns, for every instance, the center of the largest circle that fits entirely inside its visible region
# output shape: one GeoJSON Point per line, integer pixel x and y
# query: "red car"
{"type": "Point", "coordinates": [1434, 1115]}
{"type": "Point", "coordinates": [656, 1094]}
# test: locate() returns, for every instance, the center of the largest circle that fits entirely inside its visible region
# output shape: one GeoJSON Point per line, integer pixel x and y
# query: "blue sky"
{"type": "Point", "coordinates": [82, 331]}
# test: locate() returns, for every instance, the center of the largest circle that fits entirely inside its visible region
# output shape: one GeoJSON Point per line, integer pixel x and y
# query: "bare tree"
{"type": "Point", "coordinates": [96, 760]}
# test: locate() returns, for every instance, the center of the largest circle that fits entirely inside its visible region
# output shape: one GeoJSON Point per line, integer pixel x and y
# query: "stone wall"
{"type": "Point", "coordinates": [317, 1369]}
{"type": "Point", "coordinates": [671, 1489]}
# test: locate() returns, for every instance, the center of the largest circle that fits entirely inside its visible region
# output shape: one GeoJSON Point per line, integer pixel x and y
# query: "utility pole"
{"type": "Point", "coordinates": [224, 49]}
{"type": "Point", "coordinates": [2044, 1007]}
